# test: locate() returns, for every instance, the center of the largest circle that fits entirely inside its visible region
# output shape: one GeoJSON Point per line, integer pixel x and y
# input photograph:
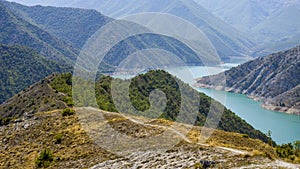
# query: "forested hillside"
{"type": "Point", "coordinates": [21, 66]}
{"type": "Point", "coordinates": [16, 31]}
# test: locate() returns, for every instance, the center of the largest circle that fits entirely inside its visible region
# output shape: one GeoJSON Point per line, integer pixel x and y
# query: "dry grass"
{"type": "Point", "coordinates": [20, 147]}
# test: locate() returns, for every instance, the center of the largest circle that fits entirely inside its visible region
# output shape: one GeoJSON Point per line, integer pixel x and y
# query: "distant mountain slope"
{"type": "Point", "coordinates": [282, 23]}
{"type": "Point", "coordinates": [227, 40]}
{"type": "Point", "coordinates": [78, 25]}
{"type": "Point", "coordinates": [242, 14]}
{"type": "Point", "coordinates": [15, 30]}
{"type": "Point", "coordinates": [272, 24]}
{"type": "Point", "coordinates": [21, 67]}
{"type": "Point", "coordinates": [74, 26]}
{"type": "Point", "coordinates": [274, 79]}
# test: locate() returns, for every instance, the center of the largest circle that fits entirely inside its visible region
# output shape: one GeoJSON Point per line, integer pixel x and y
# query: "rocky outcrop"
{"type": "Point", "coordinates": [273, 79]}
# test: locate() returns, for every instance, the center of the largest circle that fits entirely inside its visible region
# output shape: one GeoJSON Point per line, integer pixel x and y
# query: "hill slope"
{"type": "Point", "coordinates": [225, 38]}
{"type": "Point", "coordinates": [274, 79]}
{"type": "Point", "coordinates": [15, 30]}
{"type": "Point", "coordinates": [61, 93]}
{"type": "Point", "coordinates": [21, 67]}
{"type": "Point", "coordinates": [72, 147]}
{"type": "Point", "coordinates": [74, 26]}
{"type": "Point", "coordinates": [272, 24]}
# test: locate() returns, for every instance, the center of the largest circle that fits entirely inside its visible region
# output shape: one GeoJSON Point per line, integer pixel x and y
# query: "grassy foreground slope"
{"type": "Point", "coordinates": [69, 146]}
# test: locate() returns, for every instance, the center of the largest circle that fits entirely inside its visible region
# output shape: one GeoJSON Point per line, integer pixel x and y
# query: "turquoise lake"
{"type": "Point", "coordinates": [284, 127]}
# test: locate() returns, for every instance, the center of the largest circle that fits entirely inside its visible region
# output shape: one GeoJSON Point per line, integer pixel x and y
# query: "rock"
{"type": "Point", "coordinates": [26, 126]}
{"type": "Point", "coordinates": [18, 121]}
{"type": "Point", "coordinates": [207, 164]}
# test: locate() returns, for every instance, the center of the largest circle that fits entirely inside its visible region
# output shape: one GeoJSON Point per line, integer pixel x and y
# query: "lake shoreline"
{"type": "Point", "coordinates": [264, 105]}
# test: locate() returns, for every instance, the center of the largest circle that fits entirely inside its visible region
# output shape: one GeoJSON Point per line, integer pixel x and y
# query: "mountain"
{"type": "Point", "coordinates": [227, 40]}
{"type": "Point", "coordinates": [272, 24]}
{"type": "Point", "coordinates": [274, 79]}
{"type": "Point", "coordinates": [21, 66]}
{"type": "Point", "coordinates": [55, 92]}
{"type": "Point", "coordinates": [74, 26]}
{"type": "Point", "coordinates": [280, 24]}
{"type": "Point", "coordinates": [242, 14]}
{"type": "Point", "coordinates": [63, 22]}
{"type": "Point", "coordinates": [40, 123]}
{"type": "Point", "coordinates": [15, 30]}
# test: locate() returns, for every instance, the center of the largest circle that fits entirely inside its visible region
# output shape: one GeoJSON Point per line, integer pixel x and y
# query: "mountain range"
{"type": "Point", "coordinates": [46, 121]}
{"type": "Point", "coordinates": [274, 79]}
{"type": "Point", "coordinates": [57, 35]}
{"type": "Point", "coordinates": [255, 26]}
{"type": "Point", "coordinates": [266, 22]}
{"type": "Point", "coordinates": [227, 40]}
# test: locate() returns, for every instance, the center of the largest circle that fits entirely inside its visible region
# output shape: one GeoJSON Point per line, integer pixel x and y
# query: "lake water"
{"type": "Point", "coordinates": [284, 127]}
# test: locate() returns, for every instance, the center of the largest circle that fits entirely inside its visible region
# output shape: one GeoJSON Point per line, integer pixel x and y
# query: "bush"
{"type": "Point", "coordinates": [45, 159]}
{"type": "Point", "coordinates": [58, 138]}
{"type": "Point", "coordinates": [289, 151]}
{"type": "Point", "coordinates": [245, 135]}
{"type": "Point", "coordinates": [68, 100]}
{"type": "Point", "coordinates": [68, 112]}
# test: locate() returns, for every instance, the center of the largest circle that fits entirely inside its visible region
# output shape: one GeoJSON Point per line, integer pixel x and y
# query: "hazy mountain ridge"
{"type": "Point", "coordinates": [274, 79]}
{"type": "Point", "coordinates": [268, 23]}
{"type": "Point", "coordinates": [74, 26]}
{"type": "Point", "coordinates": [227, 40]}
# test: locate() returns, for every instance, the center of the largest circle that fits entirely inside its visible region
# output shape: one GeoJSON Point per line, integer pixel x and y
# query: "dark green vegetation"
{"type": "Point", "coordinates": [290, 151]}
{"type": "Point", "coordinates": [274, 79]}
{"type": "Point", "coordinates": [139, 93]}
{"type": "Point", "coordinates": [45, 159]}
{"type": "Point", "coordinates": [25, 26]}
{"type": "Point", "coordinates": [68, 112]}
{"type": "Point", "coordinates": [21, 67]}
{"type": "Point", "coordinates": [15, 30]}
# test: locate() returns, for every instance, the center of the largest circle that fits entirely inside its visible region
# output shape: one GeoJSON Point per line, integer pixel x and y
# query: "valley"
{"type": "Point", "coordinates": [149, 84]}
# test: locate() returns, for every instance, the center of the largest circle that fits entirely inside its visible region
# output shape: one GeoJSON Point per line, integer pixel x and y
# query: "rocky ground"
{"type": "Point", "coordinates": [24, 139]}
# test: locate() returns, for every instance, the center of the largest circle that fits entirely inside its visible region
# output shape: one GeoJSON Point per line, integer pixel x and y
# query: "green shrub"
{"type": "Point", "coordinates": [5, 121]}
{"type": "Point", "coordinates": [289, 151]}
{"type": "Point", "coordinates": [68, 112]}
{"type": "Point", "coordinates": [198, 166]}
{"type": "Point", "coordinates": [245, 135]}
{"type": "Point", "coordinates": [68, 100]}
{"type": "Point", "coordinates": [45, 159]}
{"type": "Point", "coordinates": [58, 138]}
